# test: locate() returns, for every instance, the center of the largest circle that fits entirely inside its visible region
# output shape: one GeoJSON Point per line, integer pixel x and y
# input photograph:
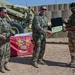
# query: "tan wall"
{"type": "Point", "coordinates": [58, 9]}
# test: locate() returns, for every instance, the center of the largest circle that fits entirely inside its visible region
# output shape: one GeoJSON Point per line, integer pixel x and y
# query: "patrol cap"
{"type": "Point", "coordinates": [72, 5]}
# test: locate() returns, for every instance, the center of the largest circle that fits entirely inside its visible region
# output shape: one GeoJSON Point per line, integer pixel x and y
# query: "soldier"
{"type": "Point", "coordinates": [70, 27]}
{"type": "Point", "coordinates": [5, 31]}
{"type": "Point", "coordinates": [39, 29]}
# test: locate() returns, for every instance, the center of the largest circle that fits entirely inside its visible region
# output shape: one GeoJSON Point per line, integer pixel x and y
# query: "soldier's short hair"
{"type": "Point", "coordinates": [72, 5]}
{"type": "Point", "coordinates": [1, 8]}
{"type": "Point", "coordinates": [42, 7]}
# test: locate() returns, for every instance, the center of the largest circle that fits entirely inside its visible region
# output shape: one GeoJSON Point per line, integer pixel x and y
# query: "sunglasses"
{"type": "Point", "coordinates": [5, 12]}
{"type": "Point", "coordinates": [43, 9]}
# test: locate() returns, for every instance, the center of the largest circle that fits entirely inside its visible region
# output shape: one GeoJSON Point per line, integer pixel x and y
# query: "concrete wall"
{"type": "Point", "coordinates": [56, 10]}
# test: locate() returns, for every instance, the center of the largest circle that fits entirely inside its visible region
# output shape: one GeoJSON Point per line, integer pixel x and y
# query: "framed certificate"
{"type": "Point", "coordinates": [57, 24]}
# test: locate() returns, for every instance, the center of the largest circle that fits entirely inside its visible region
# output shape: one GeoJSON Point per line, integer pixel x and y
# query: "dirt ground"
{"type": "Point", "coordinates": [56, 56]}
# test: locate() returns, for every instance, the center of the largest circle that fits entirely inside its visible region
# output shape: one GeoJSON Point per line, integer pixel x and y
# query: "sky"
{"type": "Point", "coordinates": [39, 2]}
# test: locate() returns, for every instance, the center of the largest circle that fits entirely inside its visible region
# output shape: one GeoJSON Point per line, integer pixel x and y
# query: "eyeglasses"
{"type": "Point", "coordinates": [5, 12]}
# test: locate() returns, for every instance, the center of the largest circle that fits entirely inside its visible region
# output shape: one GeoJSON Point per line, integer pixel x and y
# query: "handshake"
{"type": "Point", "coordinates": [49, 32]}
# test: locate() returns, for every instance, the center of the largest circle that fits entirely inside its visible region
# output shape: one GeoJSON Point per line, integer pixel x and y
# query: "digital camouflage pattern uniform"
{"type": "Point", "coordinates": [4, 44]}
{"type": "Point", "coordinates": [71, 37]}
{"type": "Point", "coordinates": [39, 28]}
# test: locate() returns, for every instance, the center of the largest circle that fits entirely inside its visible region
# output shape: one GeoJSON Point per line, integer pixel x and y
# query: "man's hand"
{"type": "Point", "coordinates": [49, 32]}
{"type": "Point", "coordinates": [64, 30]}
{"type": "Point", "coordinates": [3, 37]}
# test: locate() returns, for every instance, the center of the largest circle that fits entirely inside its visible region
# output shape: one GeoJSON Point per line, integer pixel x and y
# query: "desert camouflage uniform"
{"type": "Point", "coordinates": [71, 37]}
{"type": "Point", "coordinates": [4, 44]}
{"type": "Point", "coordinates": [39, 28]}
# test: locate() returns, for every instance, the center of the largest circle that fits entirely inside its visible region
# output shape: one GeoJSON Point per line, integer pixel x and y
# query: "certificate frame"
{"type": "Point", "coordinates": [57, 24]}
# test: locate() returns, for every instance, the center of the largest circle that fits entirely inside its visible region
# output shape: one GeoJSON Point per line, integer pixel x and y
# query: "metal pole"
{"type": "Point", "coordinates": [26, 3]}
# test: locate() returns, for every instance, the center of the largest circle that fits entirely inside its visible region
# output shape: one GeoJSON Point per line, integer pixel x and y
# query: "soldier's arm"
{"type": "Point", "coordinates": [1, 35]}
{"type": "Point", "coordinates": [65, 22]}
{"type": "Point", "coordinates": [12, 32]}
{"type": "Point", "coordinates": [71, 22]}
{"type": "Point", "coordinates": [71, 29]}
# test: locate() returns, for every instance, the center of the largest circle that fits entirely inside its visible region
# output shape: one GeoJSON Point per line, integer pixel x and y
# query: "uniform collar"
{"type": "Point", "coordinates": [40, 14]}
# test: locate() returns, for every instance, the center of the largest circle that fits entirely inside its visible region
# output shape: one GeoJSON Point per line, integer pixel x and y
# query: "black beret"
{"type": "Point", "coordinates": [72, 5]}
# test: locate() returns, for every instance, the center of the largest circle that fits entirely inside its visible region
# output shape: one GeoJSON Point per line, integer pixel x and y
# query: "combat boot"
{"type": "Point", "coordinates": [5, 66]}
{"type": "Point", "coordinates": [35, 64]}
{"type": "Point", "coordinates": [2, 70]}
{"type": "Point", "coordinates": [40, 61]}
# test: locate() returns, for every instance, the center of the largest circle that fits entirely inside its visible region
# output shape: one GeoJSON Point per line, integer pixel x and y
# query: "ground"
{"type": "Point", "coordinates": [56, 56]}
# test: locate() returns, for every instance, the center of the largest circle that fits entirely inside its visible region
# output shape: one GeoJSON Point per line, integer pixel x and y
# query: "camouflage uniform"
{"type": "Point", "coordinates": [4, 44]}
{"type": "Point", "coordinates": [71, 37]}
{"type": "Point", "coordinates": [39, 28]}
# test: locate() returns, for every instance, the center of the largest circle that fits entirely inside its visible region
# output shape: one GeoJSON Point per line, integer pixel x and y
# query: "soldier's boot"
{"type": "Point", "coordinates": [6, 67]}
{"type": "Point", "coordinates": [35, 57]}
{"type": "Point", "coordinates": [34, 63]}
{"type": "Point", "coordinates": [40, 61]}
{"type": "Point", "coordinates": [2, 69]}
